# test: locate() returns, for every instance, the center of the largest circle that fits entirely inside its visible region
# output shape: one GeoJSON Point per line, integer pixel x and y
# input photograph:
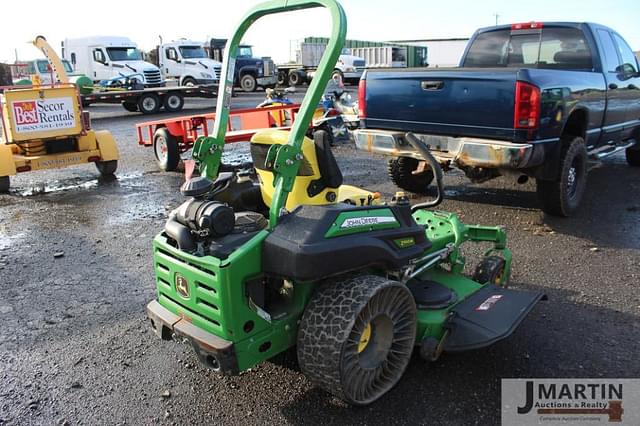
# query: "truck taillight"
{"type": "Point", "coordinates": [527, 106]}
{"type": "Point", "coordinates": [362, 104]}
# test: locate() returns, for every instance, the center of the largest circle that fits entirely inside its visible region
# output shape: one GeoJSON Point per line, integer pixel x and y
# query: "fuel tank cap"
{"type": "Point", "coordinates": [196, 187]}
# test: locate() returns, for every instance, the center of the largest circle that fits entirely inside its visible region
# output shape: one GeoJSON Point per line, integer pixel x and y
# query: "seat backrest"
{"type": "Point", "coordinates": [579, 59]}
{"type": "Point", "coordinates": [319, 176]}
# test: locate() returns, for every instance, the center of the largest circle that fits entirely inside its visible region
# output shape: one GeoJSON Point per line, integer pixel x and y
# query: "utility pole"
{"type": "Point", "coordinates": [497, 16]}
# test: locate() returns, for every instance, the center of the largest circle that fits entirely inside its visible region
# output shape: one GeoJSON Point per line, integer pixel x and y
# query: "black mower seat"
{"type": "Point", "coordinates": [299, 248]}
{"type": "Point", "coordinates": [431, 294]}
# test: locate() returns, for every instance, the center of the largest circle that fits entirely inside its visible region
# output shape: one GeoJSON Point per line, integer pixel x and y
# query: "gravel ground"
{"type": "Point", "coordinates": [76, 268]}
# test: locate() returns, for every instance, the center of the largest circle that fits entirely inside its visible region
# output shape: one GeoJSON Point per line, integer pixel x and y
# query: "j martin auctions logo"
{"type": "Point", "coordinates": [581, 398]}
{"type": "Point", "coordinates": [561, 401]}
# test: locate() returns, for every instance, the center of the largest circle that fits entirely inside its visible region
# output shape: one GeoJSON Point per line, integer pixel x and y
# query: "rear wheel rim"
{"type": "Point", "coordinates": [573, 178]}
{"type": "Point", "coordinates": [149, 104]}
{"type": "Point", "coordinates": [173, 101]}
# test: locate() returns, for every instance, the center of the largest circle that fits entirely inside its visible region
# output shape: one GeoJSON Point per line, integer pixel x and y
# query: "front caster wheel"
{"type": "Point", "coordinates": [491, 270]}
{"type": "Point", "coordinates": [356, 337]}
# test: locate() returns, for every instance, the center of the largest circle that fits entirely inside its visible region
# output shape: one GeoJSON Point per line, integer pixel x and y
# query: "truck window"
{"type": "Point", "coordinates": [611, 60]}
{"type": "Point", "coordinates": [124, 54]}
{"type": "Point", "coordinates": [245, 52]}
{"type": "Point", "coordinates": [550, 48]}
{"type": "Point", "coordinates": [192, 52]}
{"type": "Point", "coordinates": [43, 67]}
{"type": "Point", "coordinates": [628, 58]}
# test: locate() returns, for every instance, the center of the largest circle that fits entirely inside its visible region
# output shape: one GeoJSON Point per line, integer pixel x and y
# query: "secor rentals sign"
{"type": "Point", "coordinates": [43, 114]}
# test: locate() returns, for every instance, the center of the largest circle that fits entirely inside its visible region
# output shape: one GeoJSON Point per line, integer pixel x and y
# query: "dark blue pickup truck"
{"type": "Point", "coordinates": [540, 99]}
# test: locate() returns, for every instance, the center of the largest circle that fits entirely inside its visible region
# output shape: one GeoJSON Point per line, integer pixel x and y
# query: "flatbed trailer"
{"type": "Point", "coordinates": [151, 100]}
{"type": "Point", "coordinates": [171, 137]}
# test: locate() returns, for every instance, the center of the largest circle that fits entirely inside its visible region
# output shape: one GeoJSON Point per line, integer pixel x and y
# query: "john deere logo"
{"type": "Point", "coordinates": [182, 286]}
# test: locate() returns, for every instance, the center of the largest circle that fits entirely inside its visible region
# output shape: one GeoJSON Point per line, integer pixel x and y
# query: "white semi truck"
{"type": "Point", "coordinates": [188, 63]}
{"type": "Point", "coordinates": [109, 58]}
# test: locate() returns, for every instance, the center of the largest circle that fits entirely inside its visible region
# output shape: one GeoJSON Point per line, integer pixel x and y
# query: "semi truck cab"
{"type": "Point", "coordinates": [107, 58]}
{"type": "Point", "coordinates": [187, 62]}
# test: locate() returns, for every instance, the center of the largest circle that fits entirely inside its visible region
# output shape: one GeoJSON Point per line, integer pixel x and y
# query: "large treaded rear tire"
{"type": "Point", "coordinates": [336, 352]}
{"type": "Point", "coordinates": [400, 171]}
{"type": "Point", "coordinates": [562, 196]}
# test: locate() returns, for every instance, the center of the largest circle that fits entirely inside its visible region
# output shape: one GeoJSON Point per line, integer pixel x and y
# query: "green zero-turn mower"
{"type": "Point", "coordinates": [255, 264]}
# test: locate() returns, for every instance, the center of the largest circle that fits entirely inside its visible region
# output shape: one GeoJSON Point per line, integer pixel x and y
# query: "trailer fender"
{"type": "Point", "coordinates": [7, 166]}
{"type": "Point", "coordinates": [107, 145]}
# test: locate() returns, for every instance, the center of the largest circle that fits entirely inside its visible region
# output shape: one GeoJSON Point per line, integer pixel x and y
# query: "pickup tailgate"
{"type": "Point", "coordinates": [474, 102]}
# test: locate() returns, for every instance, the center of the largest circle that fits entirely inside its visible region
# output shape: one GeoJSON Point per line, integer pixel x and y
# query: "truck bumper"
{"type": "Point", "coordinates": [268, 81]}
{"type": "Point", "coordinates": [206, 81]}
{"type": "Point", "coordinates": [352, 75]}
{"type": "Point", "coordinates": [461, 152]}
{"type": "Point", "coordinates": [216, 353]}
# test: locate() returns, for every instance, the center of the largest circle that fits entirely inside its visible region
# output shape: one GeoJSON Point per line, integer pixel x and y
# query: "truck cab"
{"type": "Point", "coordinates": [250, 72]}
{"type": "Point", "coordinates": [107, 58]}
{"type": "Point", "coordinates": [350, 67]}
{"type": "Point", "coordinates": [187, 62]}
{"type": "Point", "coordinates": [40, 70]}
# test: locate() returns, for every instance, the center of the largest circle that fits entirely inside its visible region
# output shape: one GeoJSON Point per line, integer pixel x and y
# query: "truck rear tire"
{"type": "Point", "coordinates": [165, 147]}
{"type": "Point", "coordinates": [356, 337]}
{"type": "Point", "coordinates": [107, 168]}
{"type": "Point", "coordinates": [5, 183]}
{"type": "Point", "coordinates": [295, 79]}
{"type": "Point", "coordinates": [149, 103]}
{"type": "Point", "coordinates": [401, 173]}
{"type": "Point", "coordinates": [173, 101]}
{"type": "Point", "coordinates": [248, 83]}
{"type": "Point", "coordinates": [562, 196]}
{"type": "Point", "coordinates": [282, 77]}
{"type": "Point", "coordinates": [130, 106]}
{"type": "Point", "coordinates": [633, 156]}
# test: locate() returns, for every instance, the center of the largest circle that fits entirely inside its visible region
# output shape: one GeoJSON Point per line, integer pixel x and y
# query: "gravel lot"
{"type": "Point", "coordinates": [76, 268]}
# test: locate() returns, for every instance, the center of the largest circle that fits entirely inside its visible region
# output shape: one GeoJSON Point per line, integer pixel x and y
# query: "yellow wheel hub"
{"type": "Point", "coordinates": [364, 338]}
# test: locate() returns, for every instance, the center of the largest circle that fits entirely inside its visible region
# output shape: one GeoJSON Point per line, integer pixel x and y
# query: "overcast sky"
{"type": "Point", "coordinates": [144, 21]}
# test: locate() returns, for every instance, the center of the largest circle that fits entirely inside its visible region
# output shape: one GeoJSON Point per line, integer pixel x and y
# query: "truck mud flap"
{"type": "Point", "coordinates": [489, 315]}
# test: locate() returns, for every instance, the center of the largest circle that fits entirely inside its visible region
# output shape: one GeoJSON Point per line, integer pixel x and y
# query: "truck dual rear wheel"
{"type": "Point", "coordinates": [107, 168]}
{"type": "Point", "coordinates": [130, 106]}
{"type": "Point", "coordinates": [165, 147]}
{"type": "Point", "coordinates": [401, 173]}
{"type": "Point", "coordinates": [356, 337]}
{"type": "Point", "coordinates": [633, 156]}
{"type": "Point", "coordinates": [562, 196]}
{"type": "Point", "coordinates": [149, 103]}
{"type": "Point", "coordinates": [5, 182]}
{"type": "Point", "coordinates": [295, 79]}
{"type": "Point", "coordinates": [173, 101]}
{"type": "Point", "coordinates": [248, 83]}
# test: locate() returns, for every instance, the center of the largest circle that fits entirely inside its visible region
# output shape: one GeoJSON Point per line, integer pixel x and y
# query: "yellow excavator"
{"type": "Point", "coordinates": [45, 127]}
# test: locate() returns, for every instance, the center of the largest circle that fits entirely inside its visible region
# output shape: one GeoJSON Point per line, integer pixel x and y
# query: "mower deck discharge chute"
{"type": "Point", "coordinates": [260, 261]}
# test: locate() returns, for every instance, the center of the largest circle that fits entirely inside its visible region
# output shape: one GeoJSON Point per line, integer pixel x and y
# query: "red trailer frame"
{"type": "Point", "coordinates": [243, 124]}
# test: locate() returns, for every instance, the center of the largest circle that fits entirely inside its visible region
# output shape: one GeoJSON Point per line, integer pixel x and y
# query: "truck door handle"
{"type": "Point", "coordinates": [432, 85]}
{"type": "Point", "coordinates": [613, 86]}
